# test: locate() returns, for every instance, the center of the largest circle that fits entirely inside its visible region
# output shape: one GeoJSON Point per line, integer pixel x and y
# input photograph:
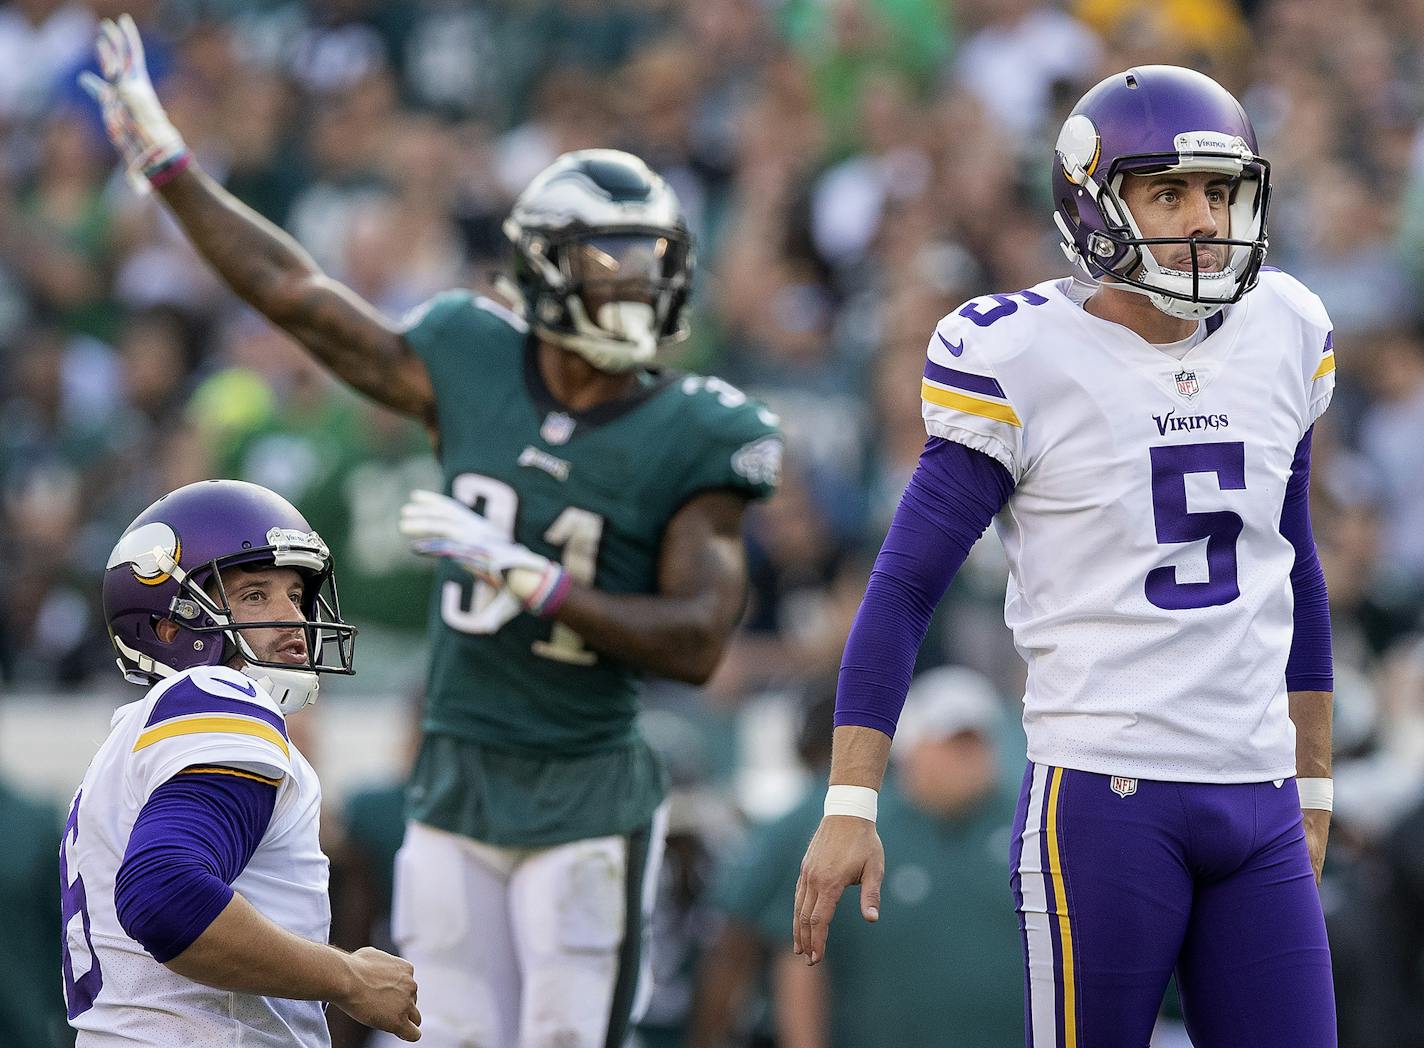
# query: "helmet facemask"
{"type": "Point", "coordinates": [613, 295]}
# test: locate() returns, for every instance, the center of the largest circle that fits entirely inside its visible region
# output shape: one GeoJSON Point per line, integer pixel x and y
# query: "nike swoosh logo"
{"type": "Point", "coordinates": [955, 348]}
{"type": "Point", "coordinates": [250, 690]}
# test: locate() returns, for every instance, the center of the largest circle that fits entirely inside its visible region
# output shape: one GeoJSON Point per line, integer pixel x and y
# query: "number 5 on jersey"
{"type": "Point", "coordinates": [577, 531]}
{"type": "Point", "coordinates": [1176, 524]}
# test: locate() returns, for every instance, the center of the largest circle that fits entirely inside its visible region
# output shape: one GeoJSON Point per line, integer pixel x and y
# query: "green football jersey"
{"type": "Point", "coordinates": [594, 490]}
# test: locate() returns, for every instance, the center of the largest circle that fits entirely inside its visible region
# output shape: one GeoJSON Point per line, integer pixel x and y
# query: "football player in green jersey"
{"type": "Point", "coordinates": [589, 533]}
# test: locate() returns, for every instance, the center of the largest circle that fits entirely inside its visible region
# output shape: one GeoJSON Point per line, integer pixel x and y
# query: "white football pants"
{"type": "Point", "coordinates": [523, 947]}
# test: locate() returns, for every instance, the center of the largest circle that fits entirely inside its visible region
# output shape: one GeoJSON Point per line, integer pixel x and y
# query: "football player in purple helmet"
{"type": "Point", "coordinates": [191, 869]}
{"type": "Point", "coordinates": [1140, 439]}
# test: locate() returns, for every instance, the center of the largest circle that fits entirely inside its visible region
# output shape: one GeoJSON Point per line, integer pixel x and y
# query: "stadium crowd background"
{"type": "Point", "coordinates": [853, 170]}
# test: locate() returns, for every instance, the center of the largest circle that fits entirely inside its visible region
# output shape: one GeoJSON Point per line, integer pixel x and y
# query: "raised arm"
{"type": "Point", "coordinates": [263, 265]}
{"type": "Point", "coordinates": [271, 272]}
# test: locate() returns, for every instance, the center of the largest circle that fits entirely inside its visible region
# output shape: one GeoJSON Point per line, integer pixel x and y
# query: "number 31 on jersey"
{"type": "Point", "coordinates": [576, 531]}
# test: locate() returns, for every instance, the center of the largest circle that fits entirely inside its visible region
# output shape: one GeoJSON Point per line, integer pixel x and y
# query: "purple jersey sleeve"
{"type": "Point", "coordinates": [951, 498]}
{"type": "Point", "coordinates": [191, 840]}
{"type": "Point", "coordinates": [1309, 667]}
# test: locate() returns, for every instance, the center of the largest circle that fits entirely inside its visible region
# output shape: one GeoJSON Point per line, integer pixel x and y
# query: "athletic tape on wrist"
{"type": "Point", "coordinates": [164, 172]}
{"type": "Point", "coordinates": [860, 801]}
{"type": "Point", "coordinates": [550, 596]}
{"type": "Point", "coordinates": [542, 592]}
{"type": "Point", "coordinates": [1316, 794]}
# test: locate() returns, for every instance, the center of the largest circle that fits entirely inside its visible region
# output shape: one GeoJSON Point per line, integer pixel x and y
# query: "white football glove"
{"type": "Point", "coordinates": [439, 526]}
{"type": "Point", "coordinates": [136, 123]}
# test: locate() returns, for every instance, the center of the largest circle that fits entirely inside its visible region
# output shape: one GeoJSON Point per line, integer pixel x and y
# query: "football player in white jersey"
{"type": "Point", "coordinates": [194, 888]}
{"type": "Point", "coordinates": [1141, 441]}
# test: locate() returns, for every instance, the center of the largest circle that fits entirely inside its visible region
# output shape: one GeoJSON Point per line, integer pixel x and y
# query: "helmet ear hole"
{"type": "Point", "coordinates": [166, 630]}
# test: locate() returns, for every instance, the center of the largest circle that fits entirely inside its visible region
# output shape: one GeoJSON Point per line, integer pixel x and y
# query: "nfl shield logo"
{"type": "Point", "coordinates": [1187, 384]}
{"type": "Point", "coordinates": [557, 428]}
{"type": "Point", "coordinates": [1123, 786]}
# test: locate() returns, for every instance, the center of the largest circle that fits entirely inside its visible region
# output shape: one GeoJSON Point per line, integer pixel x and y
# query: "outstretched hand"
{"type": "Point", "coordinates": [846, 850]}
{"type": "Point", "coordinates": [439, 526]}
{"type": "Point", "coordinates": [133, 117]}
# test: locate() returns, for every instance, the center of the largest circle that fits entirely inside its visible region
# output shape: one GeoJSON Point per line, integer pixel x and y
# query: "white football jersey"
{"type": "Point", "coordinates": [1149, 587]}
{"type": "Point", "coordinates": [116, 992]}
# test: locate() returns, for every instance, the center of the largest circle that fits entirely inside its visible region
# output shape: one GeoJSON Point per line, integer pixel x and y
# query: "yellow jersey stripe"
{"type": "Point", "coordinates": [970, 405]}
{"type": "Point", "coordinates": [231, 725]}
{"type": "Point", "coordinates": [203, 769]}
{"type": "Point", "coordinates": [1327, 365]}
{"type": "Point", "coordinates": [1065, 930]}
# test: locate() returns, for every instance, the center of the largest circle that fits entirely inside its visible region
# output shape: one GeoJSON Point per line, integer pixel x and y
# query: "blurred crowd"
{"type": "Point", "coordinates": [852, 170]}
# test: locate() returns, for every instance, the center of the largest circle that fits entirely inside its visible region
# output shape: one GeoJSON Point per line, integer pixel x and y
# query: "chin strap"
{"type": "Point", "coordinates": [290, 689]}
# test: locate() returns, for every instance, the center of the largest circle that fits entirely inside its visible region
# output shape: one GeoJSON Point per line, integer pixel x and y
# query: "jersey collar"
{"type": "Point", "coordinates": [651, 382]}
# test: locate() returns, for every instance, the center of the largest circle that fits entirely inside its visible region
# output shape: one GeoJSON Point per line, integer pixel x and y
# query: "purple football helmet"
{"type": "Point", "coordinates": [168, 563]}
{"type": "Point", "coordinates": [1150, 120]}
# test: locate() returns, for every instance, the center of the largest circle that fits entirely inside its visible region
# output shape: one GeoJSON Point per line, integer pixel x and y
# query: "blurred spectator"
{"type": "Point", "coordinates": [848, 43]}
{"type": "Point", "coordinates": [347, 141]}
{"type": "Point", "coordinates": [59, 236]}
{"type": "Point", "coordinates": [37, 39]}
{"type": "Point", "coordinates": [946, 808]}
{"type": "Point", "coordinates": [1209, 35]}
{"type": "Point", "coordinates": [702, 825]}
{"type": "Point", "coordinates": [1019, 58]}
{"type": "Point", "coordinates": [1392, 439]}
{"type": "Point", "coordinates": [570, 111]}
{"type": "Point", "coordinates": [369, 830]}
{"type": "Point", "coordinates": [1350, 253]}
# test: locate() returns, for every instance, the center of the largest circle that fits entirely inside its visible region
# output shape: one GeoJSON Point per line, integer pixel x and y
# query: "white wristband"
{"type": "Point", "coordinates": [859, 801]}
{"type": "Point", "coordinates": [1316, 793]}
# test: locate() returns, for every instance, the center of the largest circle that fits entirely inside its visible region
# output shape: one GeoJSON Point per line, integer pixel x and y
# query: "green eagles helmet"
{"type": "Point", "coordinates": [603, 258]}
